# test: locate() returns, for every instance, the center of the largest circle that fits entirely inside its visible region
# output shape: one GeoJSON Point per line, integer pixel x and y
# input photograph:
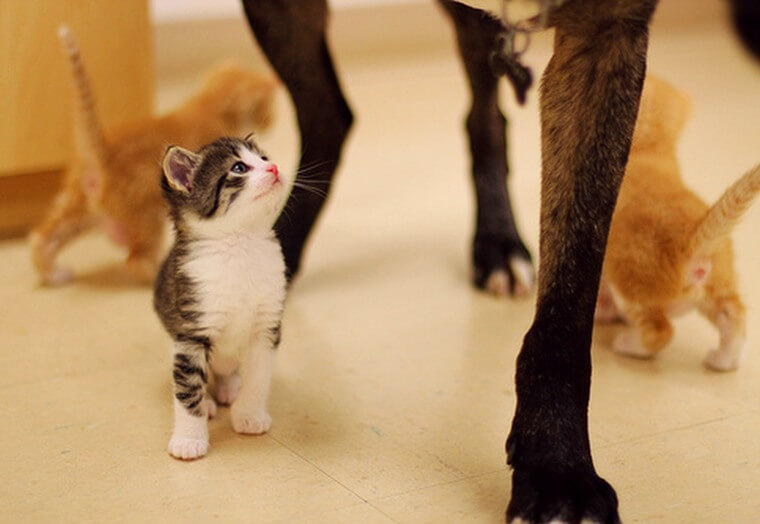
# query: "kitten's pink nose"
{"type": "Point", "coordinates": [272, 168]}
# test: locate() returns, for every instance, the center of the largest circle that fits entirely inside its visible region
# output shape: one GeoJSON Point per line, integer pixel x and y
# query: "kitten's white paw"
{"type": "Point", "coordinates": [210, 407]}
{"type": "Point", "coordinates": [227, 388]}
{"type": "Point", "coordinates": [250, 422]}
{"type": "Point", "coordinates": [187, 448]}
{"type": "Point", "coordinates": [629, 343]}
{"type": "Point", "coordinates": [718, 360]}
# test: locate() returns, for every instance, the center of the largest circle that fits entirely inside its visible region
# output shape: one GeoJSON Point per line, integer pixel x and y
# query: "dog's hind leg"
{"type": "Point", "coordinates": [501, 262]}
{"type": "Point", "coordinates": [589, 102]}
{"type": "Point", "coordinates": [292, 35]}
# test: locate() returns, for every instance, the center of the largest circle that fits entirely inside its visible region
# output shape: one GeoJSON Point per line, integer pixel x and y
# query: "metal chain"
{"type": "Point", "coordinates": [505, 60]}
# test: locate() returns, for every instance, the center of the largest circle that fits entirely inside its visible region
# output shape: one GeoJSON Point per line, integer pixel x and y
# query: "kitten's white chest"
{"type": "Point", "coordinates": [239, 283]}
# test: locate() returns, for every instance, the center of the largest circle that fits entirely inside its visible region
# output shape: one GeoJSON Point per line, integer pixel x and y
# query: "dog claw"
{"type": "Point", "coordinates": [502, 266]}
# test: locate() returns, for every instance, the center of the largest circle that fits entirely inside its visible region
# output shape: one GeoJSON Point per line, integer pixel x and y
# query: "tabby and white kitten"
{"type": "Point", "coordinates": [220, 291]}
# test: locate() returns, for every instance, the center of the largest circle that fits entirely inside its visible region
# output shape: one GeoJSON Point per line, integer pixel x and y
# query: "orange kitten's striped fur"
{"type": "Point", "coordinates": [668, 252]}
{"type": "Point", "coordinates": [114, 178]}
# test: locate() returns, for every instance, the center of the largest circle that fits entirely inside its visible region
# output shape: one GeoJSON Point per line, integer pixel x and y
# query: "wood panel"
{"type": "Point", "coordinates": [24, 200]}
{"type": "Point", "coordinates": [35, 85]}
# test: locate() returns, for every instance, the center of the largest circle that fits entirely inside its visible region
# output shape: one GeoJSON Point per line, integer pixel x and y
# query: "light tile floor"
{"type": "Point", "coordinates": [394, 387]}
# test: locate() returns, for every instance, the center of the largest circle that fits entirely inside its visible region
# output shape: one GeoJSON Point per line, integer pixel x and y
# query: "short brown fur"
{"type": "Point", "coordinates": [114, 178]}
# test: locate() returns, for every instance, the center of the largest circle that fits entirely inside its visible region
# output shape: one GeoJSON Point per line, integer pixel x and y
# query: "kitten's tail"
{"type": "Point", "coordinates": [725, 213]}
{"type": "Point", "coordinates": [89, 134]}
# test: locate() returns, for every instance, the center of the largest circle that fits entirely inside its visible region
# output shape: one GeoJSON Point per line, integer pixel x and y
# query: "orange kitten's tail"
{"type": "Point", "coordinates": [89, 134]}
{"type": "Point", "coordinates": [725, 213]}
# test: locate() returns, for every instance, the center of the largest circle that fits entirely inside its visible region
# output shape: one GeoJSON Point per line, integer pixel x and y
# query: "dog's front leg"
{"type": "Point", "coordinates": [292, 36]}
{"type": "Point", "coordinates": [589, 101]}
{"type": "Point", "coordinates": [501, 263]}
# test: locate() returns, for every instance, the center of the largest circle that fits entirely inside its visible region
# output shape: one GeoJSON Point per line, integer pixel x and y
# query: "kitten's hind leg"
{"type": "Point", "coordinates": [249, 411]}
{"type": "Point", "coordinates": [727, 314]}
{"type": "Point", "coordinates": [226, 378]}
{"type": "Point", "coordinates": [501, 262]}
{"type": "Point", "coordinates": [68, 218]}
{"type": "Point", "coordinates": [607, 309]}
{"type": "Point", "coordinates": [189, 438]}
{"type": "Point", "coordinates": [650, 331]}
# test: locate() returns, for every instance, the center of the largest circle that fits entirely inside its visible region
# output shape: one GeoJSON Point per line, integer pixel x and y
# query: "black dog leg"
{"type": "Point", "coordinates": [501, 262]}
{"type": "Point", "coordinates": [589, 103]}
{"type": "Point", "coordinates": [292, 35]}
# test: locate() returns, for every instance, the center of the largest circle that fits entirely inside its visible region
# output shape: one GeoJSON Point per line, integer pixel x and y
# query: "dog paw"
{"type": "Point", "coordinates": [250, 422]}
{"type": "Point", "coordinates": [187, 448]}
{"type": "Point", "coordinates": [226, 388]}
{"type": "Point", "coordinates": [502, 266]}
{"type": "Point", "coordinates": [543, 496]}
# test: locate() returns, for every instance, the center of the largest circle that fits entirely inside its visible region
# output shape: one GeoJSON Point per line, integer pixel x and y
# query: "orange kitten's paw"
{"type": "Point", "coordinates": [187, 448]}
{"type": "Point", "coordinates": [629, 343]}
{"type": "Point", "coordinates": [254, 422]}
{"type": "Point", "coordinates": [719, 360]}
{"type": "Point", "coordinates": [57, 276]}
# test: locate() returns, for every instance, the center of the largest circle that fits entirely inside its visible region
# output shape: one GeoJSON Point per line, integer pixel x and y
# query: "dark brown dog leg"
{"type": "Point", "coordinates": [746, 15]}
{"type": "Point", "coordinates": [589, 101]}
{"type": "Point", "coordinates": [501, 262]}
{"type": "Point", "coordinates": [292, 35]}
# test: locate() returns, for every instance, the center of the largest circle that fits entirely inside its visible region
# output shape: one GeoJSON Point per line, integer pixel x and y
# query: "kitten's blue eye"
{"type": "Point", "coordinates": [265, 158]}
{"type": "Point", "coordinates": [239, 168]}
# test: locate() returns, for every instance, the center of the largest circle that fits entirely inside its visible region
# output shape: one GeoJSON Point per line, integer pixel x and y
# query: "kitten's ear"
{"type": "Point", "coordinates": [250, 137]}
{"type": "Point", "coordinates": [179, 165]}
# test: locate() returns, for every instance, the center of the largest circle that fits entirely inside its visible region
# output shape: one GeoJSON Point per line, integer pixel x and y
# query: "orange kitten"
{"type": "Point", "coordinates": [668, 252]}
{"type": "Point", "coordinates": [114, 179]}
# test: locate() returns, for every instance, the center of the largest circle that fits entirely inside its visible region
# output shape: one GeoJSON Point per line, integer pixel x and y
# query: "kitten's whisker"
{"type": "Point", "coordinates": [312, 181]}
{"type": "Point", "coordinates": [314, 163]}
{"type": "Point", "coordinates": [312, 171]}
{"type": "Point", "coordinates": [314, 190]}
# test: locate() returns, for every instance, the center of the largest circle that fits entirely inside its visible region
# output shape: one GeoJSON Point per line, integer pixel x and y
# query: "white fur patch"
{"type": "Point", "coordinates": [240, 286]}
{"type": "Point", "coordinates": [190, 435]}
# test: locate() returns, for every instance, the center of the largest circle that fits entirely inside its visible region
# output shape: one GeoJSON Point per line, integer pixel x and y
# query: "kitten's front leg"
{"type": "Point", "coordinates": [249, 411]}
{"type": "Point", "coordinates": [189, 438]}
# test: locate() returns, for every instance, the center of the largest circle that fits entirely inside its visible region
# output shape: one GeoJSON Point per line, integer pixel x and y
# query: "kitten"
{"type": "Point", "coordinates": [220, 291]}
{"type": "Point", "coordinates": [669, 253]}
{"type": "Point", "coordinates": [112, 180]}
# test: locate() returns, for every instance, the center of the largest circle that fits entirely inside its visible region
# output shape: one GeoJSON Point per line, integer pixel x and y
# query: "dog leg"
{"type": "Point", "coordinates": [501, 262]}
{"type": "Point", "coordinates": [292, 35]}
{"type": "Point", "coordinates": [589, 103]}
